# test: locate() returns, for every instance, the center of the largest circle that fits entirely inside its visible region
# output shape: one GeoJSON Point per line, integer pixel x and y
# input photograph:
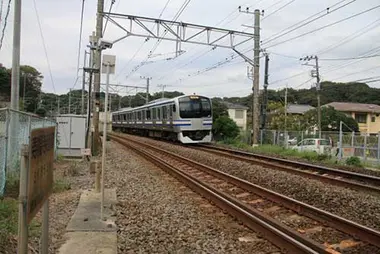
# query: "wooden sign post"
{"type": "Point", "coordinates": [36, 184]}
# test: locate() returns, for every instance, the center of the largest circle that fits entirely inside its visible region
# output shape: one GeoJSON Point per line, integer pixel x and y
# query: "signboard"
{"type": "Point", "coordinates": [40, 175]}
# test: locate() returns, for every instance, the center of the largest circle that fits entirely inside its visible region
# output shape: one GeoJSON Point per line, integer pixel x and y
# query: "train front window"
{"type": "Point", "coordinates": [194, 107]}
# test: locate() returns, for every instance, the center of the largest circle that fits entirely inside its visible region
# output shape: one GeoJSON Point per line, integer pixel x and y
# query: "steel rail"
{"type": "Point", "coordinates": [356, 230]}
{"type": "Point", "coordinates": [282, 236]}
{"type": "Point", "coordinates": [328, 175]}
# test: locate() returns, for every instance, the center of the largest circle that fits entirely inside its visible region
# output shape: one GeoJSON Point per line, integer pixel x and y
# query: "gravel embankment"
{"type": "Point", "coordinates": [357, 206]}
{"type": "Point", "coordinates": [73, 177]}
{"type": "Point", "coordinates": [157, 214]}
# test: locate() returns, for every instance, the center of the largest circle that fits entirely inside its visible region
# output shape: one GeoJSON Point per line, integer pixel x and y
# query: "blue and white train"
{"type": "Point", "coordinates": [186, 118]}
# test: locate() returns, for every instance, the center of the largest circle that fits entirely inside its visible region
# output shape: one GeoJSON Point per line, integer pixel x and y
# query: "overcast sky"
{"type": "Point", "coordinates": [60, 26]}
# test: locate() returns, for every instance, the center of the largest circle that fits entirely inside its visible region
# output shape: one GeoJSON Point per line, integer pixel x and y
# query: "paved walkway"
{"type": "Point", "coordinates": [86, 232]}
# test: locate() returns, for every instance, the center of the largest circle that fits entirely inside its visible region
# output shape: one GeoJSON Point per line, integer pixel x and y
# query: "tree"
{"type": "Point", "coordinates": [330, 120]}
{"type": "Point", "coordinates": [224, 127]}
{"type": "Point", "coordinates": [41, 112]}
{"type": "Point", "coordinates": [218, 108]}
{"type": "Point", "coordinates": [277, 118]}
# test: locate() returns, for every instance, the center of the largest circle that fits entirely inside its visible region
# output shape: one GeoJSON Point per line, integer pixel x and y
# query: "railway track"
{"type": "Point", "coordinates": [329, 175]}
{"type": "Point", "coordinates": [293, 226]}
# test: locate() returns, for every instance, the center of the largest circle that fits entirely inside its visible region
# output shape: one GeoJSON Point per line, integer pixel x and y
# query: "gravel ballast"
{"type": "Point", "coordinates": [158, 214]}
{"type": "Point", "coordinates": [357, 206]}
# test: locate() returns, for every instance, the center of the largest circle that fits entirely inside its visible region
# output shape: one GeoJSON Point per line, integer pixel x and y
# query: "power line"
{"type": "Point", "coordinates": [141, 46]}
{"type": "Point", "coordinates": [5, 23]}
{"type": "Point", "coordinates": [44, 45]}
{"type": "Point", "coordinates": [79, 42]}
{"type": "Point", "coordinates": [348, 58]}
{"type": "Point", "coordinates": [301, 24]}
{"type": "Point", "coordinates": [176, 16]}
{"type": "Point", "coordinates": [279, 9]}
{"type": "Point", "coordinates": [350, 37]}
{"type": "Point", "coordinates": [109, 11]}
{"type": "Point", "coordinates": [323, 27]}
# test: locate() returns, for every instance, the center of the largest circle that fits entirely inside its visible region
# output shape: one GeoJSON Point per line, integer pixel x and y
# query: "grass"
{"type": "Point", "coordinates": [8, 219]}
{"type": "Point", "coordinates": [276, 151]}
{"type": "Point", "coordinates": [61, 185]}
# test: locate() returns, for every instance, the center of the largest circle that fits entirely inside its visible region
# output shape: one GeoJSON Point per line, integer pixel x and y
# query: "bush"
{"type": "Point", "coordinates": [225, 128]}
{"type": "Point", "coordinates": [354, 161]}
{"type": "Point", "coordinates": [61, 186]}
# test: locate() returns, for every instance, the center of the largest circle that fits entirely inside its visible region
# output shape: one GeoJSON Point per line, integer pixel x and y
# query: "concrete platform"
{"type": "Point", "coordinates": [90, 243]}
{"type": "Point", "coordinates": [86, 232]}
{"type": "Point", "coordinates": [87, 215]}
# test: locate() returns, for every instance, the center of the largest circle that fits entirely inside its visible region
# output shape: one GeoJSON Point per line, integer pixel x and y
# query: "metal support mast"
{"type": "Point", "coordinates": [98, 53]}
{"type": "Point", "coordinates": [315, 74]}
{"type": "Point", "coordinates": [147, 88]}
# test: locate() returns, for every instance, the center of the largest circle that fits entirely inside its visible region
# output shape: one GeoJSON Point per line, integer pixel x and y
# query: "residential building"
{"type": "Point", "coordinates": [366, 115]}
{"type": "Point", "coordinates": [296, 109]}
{"type": "Point", "coordinates": [238, 113]}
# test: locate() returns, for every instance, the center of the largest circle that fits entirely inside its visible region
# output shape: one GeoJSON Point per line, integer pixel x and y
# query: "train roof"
{"type": "Point", "coordinates": [154, 103]}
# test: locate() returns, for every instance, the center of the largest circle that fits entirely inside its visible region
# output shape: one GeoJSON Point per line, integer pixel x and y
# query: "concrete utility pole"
{"type": "Point", "coordinates": [147, 88]}
{"type": "Point", "coordinates": [16, 56]}
{"type": "Point", "coordinates": [163, 90]}
{"type": "Point", "coordinates": [23, 94]}
{"type": "Point", "coordinates": [315, 74]}
{"type": "Point", "coordinates": [98, 53]}
{"type": "Point", "coordinates": [70, 101]}
{"type": "Point", "coordinates": [286, 117]}
{"type": "Point", "coordinates": [256, 80]}
{"type": "Point", "coordinates": [265, 98]}
{"type": "Point", "coordinates": [58, 109]}
{"type": "Point", "coordinates": [83, 83]}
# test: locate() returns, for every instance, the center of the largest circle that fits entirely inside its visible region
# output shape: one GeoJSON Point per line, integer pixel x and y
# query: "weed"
{"type": "Point", "coordinates": [8, 218]}
{"type": "Point", "coordinates": [60, 157]}
{"type": "Point", "coordinates": [61, 185]}
{"type": "Point", "coordinates": [73, 170]}
{"type": "Point", "coordinates": [354, 161]}
{"type": "Point", "coordinates": [12, 185]}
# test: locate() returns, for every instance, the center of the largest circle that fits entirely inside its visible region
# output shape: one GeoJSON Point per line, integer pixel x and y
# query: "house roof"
{"type": "Point", "coordinates": [354, 107]}
{"type": "Point", "coordinates": [298, 109]}
{"type": "Point", "coordinates": [230, 105]}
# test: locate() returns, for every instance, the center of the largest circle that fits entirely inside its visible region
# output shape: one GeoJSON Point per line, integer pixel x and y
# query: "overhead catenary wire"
{"type": "Point", "coordinates": [109, 11]}
{"type": "Point", "coordinates": [44, 45]}
{"type": "Point", "coordinates": [142, 44]}
{"type": "Point", "coordinates": [277, 10]}
{"type": "Point", "coordinates": [307, 21]}
{"type": "Point", "coordinates": [323, 27]}
{"type": "Point", "coordinates": [5, 23]}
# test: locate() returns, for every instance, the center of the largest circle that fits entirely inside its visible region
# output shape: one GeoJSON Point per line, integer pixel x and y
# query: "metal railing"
{"type": "Point", "coordinates": [15, 127]}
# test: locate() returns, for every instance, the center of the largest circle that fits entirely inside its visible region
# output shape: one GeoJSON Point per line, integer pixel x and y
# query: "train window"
{"type": "Point", "coordinates": [170, 111]}
{"type": "Point", "coordinates": [125, 117]}
{"type": "Point", "coordinates": [143, 115]}
{"type": "Point", "coordinates": [174, 108]}
{"type": "Point", "coordinates": [154, 114]}
{"type": "Point", "coordinates": [139, 115]}
{"type": "Point", "coordinates": [148, 114]}
{"type": "Point", "coordinates": [158, 113]}
{"type": "Point", "coordinates": [164, 113]}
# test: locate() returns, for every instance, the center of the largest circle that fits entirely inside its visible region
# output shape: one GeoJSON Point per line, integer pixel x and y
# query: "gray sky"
{"type": "Point", "coordinates": [60, 26]}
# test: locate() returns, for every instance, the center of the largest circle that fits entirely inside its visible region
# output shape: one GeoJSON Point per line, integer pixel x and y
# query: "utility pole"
{"type": "Point", "coordinates": [83, 83]}
{"type": "Point", "coordinates": [315, 74]}
{"type": "Point", "coordinates": [58, 106]}
{"type": "Point", "coordinates": [16, 56]}
{"type": "Point", "coordinates": [23, 94]}
{"type": "Point", "coordinates": [265, 99]}
{"type": "Point", "coordinates": [98, 53]}
{"type": "Point", "coordinates": [256, 76]}
{"type": "Point", "coordinates": [147, 88]}
{"type": "Point", "coordinates": [70, 101]}
{"type": "Point", "coordinates": [163, 90]}
{"type": "Point", "coordinates": [286, 116]}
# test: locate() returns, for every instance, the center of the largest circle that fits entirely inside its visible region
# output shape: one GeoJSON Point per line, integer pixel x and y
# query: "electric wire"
{"type": "Point", "coordinates": [5, 23]}
{"type": "Point", "coordinates": [323, 27]}
{"type": "Point", "coordinates": [313, 18]}
{"type": "Point", "coordinates": [142, 44]}
{"type": "Point", "coordinates": [176, 16]}
{"type": "Point", "coordinates": [44, 45]}
{"type": "Point", "coordinates": [350, 37]}
{"type": "Point", "coordinates": [109, 11]}
{"type": "Point", "coordinates": [279, 9]}
{"type": "Point", "coordinates": [79, 42]}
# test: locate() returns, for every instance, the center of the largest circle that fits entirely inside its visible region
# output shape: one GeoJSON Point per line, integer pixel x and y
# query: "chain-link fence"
{"type": "Point", "coordinates": [15, 127]}
{"type": "Point", "coordinates": [362, 145]}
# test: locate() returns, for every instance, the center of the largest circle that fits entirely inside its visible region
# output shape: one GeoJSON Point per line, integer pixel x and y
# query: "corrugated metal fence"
{"type": "Point", "coordinates": [15, 127]}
